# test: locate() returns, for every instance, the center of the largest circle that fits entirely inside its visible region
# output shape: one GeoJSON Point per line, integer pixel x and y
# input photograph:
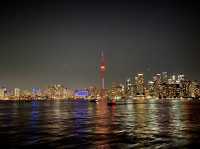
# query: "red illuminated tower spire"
{"type": "Point", "coordinates": [102, 71]}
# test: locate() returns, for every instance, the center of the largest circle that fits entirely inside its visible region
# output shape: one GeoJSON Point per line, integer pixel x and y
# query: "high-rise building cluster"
{"type": "Point", "coordinates": [56, 91]}
{"type": "Point", "coordinates": [117, 91]}
{"type": "Point", "coordinates": [162, 85]}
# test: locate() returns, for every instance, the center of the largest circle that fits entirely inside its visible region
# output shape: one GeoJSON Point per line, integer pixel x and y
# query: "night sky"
{"type": "Point", "coordinates": [47, 42]}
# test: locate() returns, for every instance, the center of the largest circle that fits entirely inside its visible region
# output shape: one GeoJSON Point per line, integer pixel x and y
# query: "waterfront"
{"type": "Point", "coordinates": [81, 124]}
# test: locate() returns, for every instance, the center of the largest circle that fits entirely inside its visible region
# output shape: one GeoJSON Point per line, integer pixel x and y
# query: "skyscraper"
{"type": "Point", "coordinates": [16, 92]}
{"type": "Point", "coordinates": [139, 81]}
{"type": "Point", "coordinates": [128, 86]}
{"type": "Point", "coordinates": [164, 77]}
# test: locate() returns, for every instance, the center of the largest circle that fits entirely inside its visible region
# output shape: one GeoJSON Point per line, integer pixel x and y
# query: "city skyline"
{"type": "Point", "coordinates": [60, 42]}
{"type": "Point", "coordinates": [97, 81]}
{"type": "Point", "coordinates": [161, 85]}
{"type": "Point", "coordinates": [99, 74]}
{"type": "Point", "coordinates": [99, 84]}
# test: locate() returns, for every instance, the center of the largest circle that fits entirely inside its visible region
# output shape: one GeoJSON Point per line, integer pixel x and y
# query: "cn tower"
{"type": "Point", "coordinates": [102, 72]}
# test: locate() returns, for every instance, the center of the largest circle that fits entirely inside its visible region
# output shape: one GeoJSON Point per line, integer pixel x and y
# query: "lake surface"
{"type": "Point", "coordinates": [81, 124]}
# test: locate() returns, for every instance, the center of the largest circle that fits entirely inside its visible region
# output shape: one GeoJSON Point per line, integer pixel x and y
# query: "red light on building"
{"type": "Point", "coordinates": [102, 68]}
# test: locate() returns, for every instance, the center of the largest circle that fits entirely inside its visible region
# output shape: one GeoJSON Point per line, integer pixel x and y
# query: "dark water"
{"type": "Point", "coordinates": [64, 124]}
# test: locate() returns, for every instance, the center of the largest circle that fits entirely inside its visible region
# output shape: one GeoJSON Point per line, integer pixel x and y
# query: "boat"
{"type": "Point", "coordinates": [116, 100]}
{"type": "Point", "coordinates": [93, 100]}
{"type": "Point", "coordinates": [111, 102]}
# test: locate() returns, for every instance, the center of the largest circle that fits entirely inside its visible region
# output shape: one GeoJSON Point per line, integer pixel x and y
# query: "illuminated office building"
{"type": "Point", "coordinates": [128, 84]}
{"type": "Point", "coordinates": [93, 91]}
{"type": "Point", "coordinates": [117, 90]}
{"type": "Point", "coordinates": [69, 93]}
{"type": "Point", "coordinates": [150, 87]}
{"type": "Point", "coordinates": [164, 77]}
{"type": "Point", "coordinates": [26, 93]}
{"type": "Point", "coordinates": [17, 92]}
{"type": "Point", "coordinates": [56, 91]}
{"type": "Point", "coordinates": [173, 79]}
{"type": "Point", "coordinates": [197, 90]}
{"type": "Point", "coordinates": [181, 77]}
{"type": "Point", "coordinates": [157, 84]}
{"type": "Point", "coordinates": [185, 88]}
{"type": "Point", "coordinates": [139, 81]}
{"type": "Point", "coordinates": [157, 78]}
{"type": "Point", "coordinates": [193, 89]}
{"type": "Point", "coordinates": [129, 87]}
{"type": "Point", "coordinates": [2, 92]}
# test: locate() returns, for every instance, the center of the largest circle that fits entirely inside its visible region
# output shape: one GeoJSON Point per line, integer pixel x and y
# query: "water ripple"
{"type": "Point", "coordinates": [87, 125]}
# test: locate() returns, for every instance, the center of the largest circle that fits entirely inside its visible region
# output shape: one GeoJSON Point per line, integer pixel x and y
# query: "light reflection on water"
{"type": "Point", "coordinates": [65, 124]}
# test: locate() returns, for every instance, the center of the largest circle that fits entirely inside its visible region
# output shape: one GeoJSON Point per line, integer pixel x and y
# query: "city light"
{"type": "Point", "coordinates": [162, 86]}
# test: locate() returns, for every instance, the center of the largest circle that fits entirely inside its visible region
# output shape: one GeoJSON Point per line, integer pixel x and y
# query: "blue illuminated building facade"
{"type": "Point", "coordinates": [81, 93]}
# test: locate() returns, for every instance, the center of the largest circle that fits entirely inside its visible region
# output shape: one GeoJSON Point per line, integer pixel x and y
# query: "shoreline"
{"type": "Point", "coordinates": [142, 100]}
